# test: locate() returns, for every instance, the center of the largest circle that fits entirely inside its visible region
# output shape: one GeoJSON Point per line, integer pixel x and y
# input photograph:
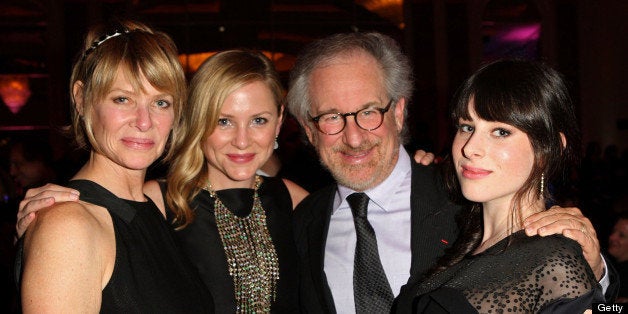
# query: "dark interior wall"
{"type": "Point", "coordinates": [587, 41]}
{"type": "Point", "coordinates": [603, 79]}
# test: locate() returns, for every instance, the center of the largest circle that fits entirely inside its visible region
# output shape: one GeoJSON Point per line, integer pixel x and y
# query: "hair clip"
{"type": "Point", "coordinates": [102, 39]}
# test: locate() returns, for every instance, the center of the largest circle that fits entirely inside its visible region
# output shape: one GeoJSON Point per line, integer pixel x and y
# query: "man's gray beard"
{"type": "Point", "coordinates": [359, 186]}
{"type": "Point", "coordinates": [356, 186]}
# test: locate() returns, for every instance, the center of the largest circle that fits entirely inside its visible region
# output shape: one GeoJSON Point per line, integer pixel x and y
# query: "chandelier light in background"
{"type": "Point", "coordinates": [389, 9]}
{"type": "Point", "coordinates": [15, 91]}
{"type": "Point", "coordinates": [191, 62]}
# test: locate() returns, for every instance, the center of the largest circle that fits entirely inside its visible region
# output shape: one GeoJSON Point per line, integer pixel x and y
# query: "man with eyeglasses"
{"type": "Point", "coordinates": [350, 93]}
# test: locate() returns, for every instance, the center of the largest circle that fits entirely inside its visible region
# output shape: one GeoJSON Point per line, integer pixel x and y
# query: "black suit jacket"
{"type": "Point", "coordinates": [433, 229]}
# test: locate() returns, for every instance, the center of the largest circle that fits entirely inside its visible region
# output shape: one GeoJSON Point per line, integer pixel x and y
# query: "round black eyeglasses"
{"type": "Point", "coordinates": [367, 119]}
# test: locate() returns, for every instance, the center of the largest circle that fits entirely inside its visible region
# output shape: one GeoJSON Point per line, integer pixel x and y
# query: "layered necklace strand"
{"type": "Point", "coordinates": [251, 255]}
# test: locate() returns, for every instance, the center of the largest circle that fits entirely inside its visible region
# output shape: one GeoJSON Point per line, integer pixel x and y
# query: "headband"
{"type": "Point", "coordinates": [102, 39]}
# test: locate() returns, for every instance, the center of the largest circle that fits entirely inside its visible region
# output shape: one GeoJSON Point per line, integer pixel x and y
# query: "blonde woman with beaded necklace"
{"type": "Point", "coordinates": [234, 225]}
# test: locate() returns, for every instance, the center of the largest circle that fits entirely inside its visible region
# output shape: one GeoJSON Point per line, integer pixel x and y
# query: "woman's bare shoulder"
{"type": "Point", "coordinates": [152, 189]}
{"type": "Point", "coordinates": [69, 223]}
{"type": "Point", "coordinates": [297, 193]}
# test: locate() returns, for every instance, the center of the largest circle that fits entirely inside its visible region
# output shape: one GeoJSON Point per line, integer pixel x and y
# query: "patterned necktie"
{"type": "Point", "coordinates": [371, 291]}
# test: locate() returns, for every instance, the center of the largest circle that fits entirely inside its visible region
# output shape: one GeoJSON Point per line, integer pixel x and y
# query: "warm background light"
{"type": "Point", "coordinates": [15, 91]}
{"type": "Point", "coordinates": [390, 9]}
{"type": "Point", "coordinates": [191, 62]}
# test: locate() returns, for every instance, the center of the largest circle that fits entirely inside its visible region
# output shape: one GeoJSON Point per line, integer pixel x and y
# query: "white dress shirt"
{"type": "Point", "coordinates": [389, 214]}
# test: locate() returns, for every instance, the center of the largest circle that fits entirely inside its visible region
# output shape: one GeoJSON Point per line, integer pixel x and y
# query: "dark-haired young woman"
{"type": "Point", "coordinates": [516, 132]}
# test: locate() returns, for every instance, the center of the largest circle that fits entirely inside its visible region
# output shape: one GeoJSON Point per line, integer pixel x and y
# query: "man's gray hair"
{"type": "Point", "coordinates": [395, 66]}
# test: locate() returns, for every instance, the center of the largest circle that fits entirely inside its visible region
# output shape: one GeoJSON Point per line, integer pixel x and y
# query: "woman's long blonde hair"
{"type": "Point", "coordinates": [215, 80]}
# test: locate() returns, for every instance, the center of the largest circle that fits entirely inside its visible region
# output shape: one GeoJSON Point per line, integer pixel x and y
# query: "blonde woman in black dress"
{"type": "Point", "coordinates": [235, 225]}
{"type": "Point", "coordinates": [113, 251]}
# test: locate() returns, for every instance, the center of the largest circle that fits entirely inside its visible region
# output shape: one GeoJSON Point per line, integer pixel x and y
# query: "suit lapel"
{"type": "Point", "coordinates": [416, 211]}
{"type": "Point", "coordinates": [317, 237]}
{"type": "Point", "coordinates": [432, 216]}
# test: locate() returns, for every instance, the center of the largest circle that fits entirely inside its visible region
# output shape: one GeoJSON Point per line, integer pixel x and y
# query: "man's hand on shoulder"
{"type": "Point", "coordinates": [569, 222]}
{"type": "Point", "coordinates": [39, 198]}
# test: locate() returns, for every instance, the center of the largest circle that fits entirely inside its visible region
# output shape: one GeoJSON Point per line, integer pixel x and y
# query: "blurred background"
{"type": "Point", "coordinates": [446, 39]}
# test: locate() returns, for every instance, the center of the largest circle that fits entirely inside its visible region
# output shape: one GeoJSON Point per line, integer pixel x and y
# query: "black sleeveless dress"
{"type": "Point", "coordinates": [151, 273]}
{"type": "Point", "coordinates": [202, 243]}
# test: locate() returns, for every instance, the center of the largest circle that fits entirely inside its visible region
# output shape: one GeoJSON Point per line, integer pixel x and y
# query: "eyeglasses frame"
{"type": "Point", "coordinates": [344, 116]}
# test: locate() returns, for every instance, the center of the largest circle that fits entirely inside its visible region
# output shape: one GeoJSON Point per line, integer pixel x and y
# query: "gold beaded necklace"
{"type": "Point", "coordinates": [251, 255]}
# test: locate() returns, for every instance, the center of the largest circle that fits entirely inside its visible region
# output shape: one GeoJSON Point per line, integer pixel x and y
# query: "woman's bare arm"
{"type": "Point", "coordinates": [67, 260]}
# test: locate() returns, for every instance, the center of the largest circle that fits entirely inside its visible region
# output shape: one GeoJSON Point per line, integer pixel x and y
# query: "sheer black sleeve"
{"type": "Point", "coordinates": [520, 274]}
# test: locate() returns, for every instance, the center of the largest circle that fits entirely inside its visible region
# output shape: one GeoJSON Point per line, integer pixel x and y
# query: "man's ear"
{"type": "Point", "coordinates": [563, 139]}
{"type": "Point", "coordinates": [77, 95]}
{"type": "Point", "coordinates": [399, 113]}
{"type": "Point", "coordinates": [308, 131]}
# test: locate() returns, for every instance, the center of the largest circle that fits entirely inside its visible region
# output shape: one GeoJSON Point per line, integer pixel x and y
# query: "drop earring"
{"type": "Point", "coordinates": [542, 187]}
{"type": "Point", "coordinates": [276, 144]}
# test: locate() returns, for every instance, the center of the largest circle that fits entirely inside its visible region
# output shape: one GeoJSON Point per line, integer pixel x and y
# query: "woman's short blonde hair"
{"type": "Point", "coordinates": [139, 52]}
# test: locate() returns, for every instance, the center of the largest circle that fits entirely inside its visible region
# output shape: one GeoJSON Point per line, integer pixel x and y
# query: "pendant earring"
{"type": "Point", "coordinates": [276, 144]}
{"type": "Point", "coordinates": [542, 185]}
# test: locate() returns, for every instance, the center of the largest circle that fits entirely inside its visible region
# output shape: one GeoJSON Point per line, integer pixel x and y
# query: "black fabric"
{"type": "Point", "coordinates": [151, 274]}
{"type": "Point", "coordinates": [444, 300]}
{"type": "Point", "coordinates": [433, 229]}
{"type": "Point", "coordinates": [372, 293]}
{"type": "Point", "coordinates": [614, 278]}
{"type": "Point", "coordinates": [203, 245]}
{"type": "Point", "coordinates": [622, 271]}
{"type": "Point", "coordinates": [520, 274]}
{"type": "Point", "coordinates": [311, 222]}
